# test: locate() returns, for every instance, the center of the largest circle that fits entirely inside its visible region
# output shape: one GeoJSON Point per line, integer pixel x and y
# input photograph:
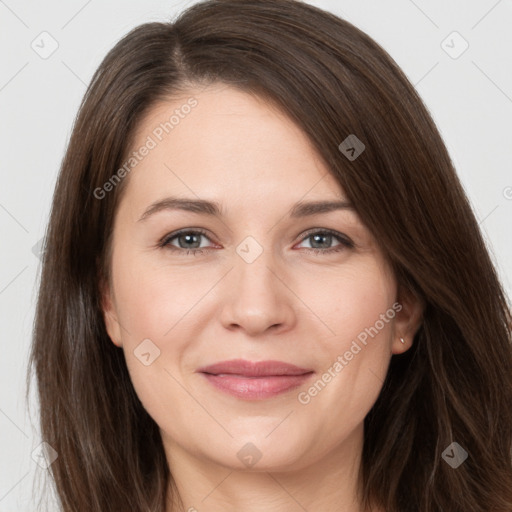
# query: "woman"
{"type": "Point", "coordinates": [263, 285]}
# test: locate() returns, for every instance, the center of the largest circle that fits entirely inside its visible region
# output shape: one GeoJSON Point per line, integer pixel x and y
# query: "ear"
{"type": "Point", "coordinates": [110, 313]}
{"type": "Point", "coordinates": [407, 320]}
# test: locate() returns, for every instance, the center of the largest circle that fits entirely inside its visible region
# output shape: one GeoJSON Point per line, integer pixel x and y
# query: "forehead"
{"type": "Point", "coordinates": [222, 142]}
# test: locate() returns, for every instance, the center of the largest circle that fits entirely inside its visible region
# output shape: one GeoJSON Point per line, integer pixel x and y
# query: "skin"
{"type": "Point", "coordinates": [290, 304]}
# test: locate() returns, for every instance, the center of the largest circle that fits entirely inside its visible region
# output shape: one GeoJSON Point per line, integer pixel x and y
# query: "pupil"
{"type": "Point", "coordinates": [188, 238]}
{"type": "Point", "coordinates": [327, 239]}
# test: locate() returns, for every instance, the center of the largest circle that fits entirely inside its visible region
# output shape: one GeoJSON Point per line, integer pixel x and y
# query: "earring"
{"type": "Point", "coordinates": [402, 340]}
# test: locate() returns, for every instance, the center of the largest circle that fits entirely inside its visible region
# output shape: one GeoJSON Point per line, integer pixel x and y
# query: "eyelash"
{"type": "Point", "coordinates": [345, 242]}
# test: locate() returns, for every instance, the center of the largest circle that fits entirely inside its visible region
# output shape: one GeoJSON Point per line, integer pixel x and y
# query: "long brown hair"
{"type": "Point", "coordinates": [453, 385]}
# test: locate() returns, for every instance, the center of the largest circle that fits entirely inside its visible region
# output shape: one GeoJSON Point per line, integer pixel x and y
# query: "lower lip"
{"type": "Point", "coordinates": [256, 388]}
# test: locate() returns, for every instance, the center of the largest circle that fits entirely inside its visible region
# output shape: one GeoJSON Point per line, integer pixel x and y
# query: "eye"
{"type": "Point", "coordinates": [188, 240]}
{"type": "Point", "coordinates": [321, 241]}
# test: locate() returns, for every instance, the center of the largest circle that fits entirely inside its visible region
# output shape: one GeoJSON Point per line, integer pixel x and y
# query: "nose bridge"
{"type": "Point", "coordinates": [252, 266]}
{"type": "Point", "coordinates": [258, 299]}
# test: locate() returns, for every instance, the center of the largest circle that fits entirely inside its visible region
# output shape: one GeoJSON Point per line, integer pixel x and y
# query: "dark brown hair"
{"type": "Point", "coordinates": [454, 384]}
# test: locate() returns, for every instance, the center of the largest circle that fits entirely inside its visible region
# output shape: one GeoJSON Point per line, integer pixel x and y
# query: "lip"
{"type": "Point", "coordinates": [255, 380]}
{"type": "Point", "coordinates": [245, 368]}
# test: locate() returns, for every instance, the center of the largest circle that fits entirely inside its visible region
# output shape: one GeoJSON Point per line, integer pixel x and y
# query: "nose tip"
{"type": "Point", "coordinates": [258, 301]}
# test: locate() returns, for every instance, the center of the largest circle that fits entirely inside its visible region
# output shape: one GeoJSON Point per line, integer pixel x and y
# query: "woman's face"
{"type": "Point", "coordinates": [265, 279]}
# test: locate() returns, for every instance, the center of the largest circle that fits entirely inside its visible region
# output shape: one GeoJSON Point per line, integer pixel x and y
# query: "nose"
{"type": "Point", "coordinates": [257, 297]}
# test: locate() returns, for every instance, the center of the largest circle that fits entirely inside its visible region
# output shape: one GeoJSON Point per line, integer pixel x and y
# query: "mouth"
{"type": "Point", "coordinates": [255, 380]}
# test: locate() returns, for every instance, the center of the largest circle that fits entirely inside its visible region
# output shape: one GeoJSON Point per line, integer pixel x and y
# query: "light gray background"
{"type": "Point", "coordinates": [470, 98]}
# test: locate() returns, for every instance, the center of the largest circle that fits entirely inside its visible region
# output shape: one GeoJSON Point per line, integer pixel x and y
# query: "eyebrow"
{"type": "Point", "coordinates": [204, 207]}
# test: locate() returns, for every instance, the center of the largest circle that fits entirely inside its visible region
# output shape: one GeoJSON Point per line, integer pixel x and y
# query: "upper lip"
{"type": "Point", "coordinates": [253, 369]}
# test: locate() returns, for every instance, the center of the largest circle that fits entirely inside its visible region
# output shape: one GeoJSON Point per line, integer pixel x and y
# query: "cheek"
{"type": "Point", "coordinates": [351, 300]}
{"type": "Point", "coordinates": [358, 307]}
{"type": "Point", "coordinates": [153, 303]}
{"type": "Point", "coordinates": [153, 299]}
{"type": "Point", "coordinates": [163, 304]}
